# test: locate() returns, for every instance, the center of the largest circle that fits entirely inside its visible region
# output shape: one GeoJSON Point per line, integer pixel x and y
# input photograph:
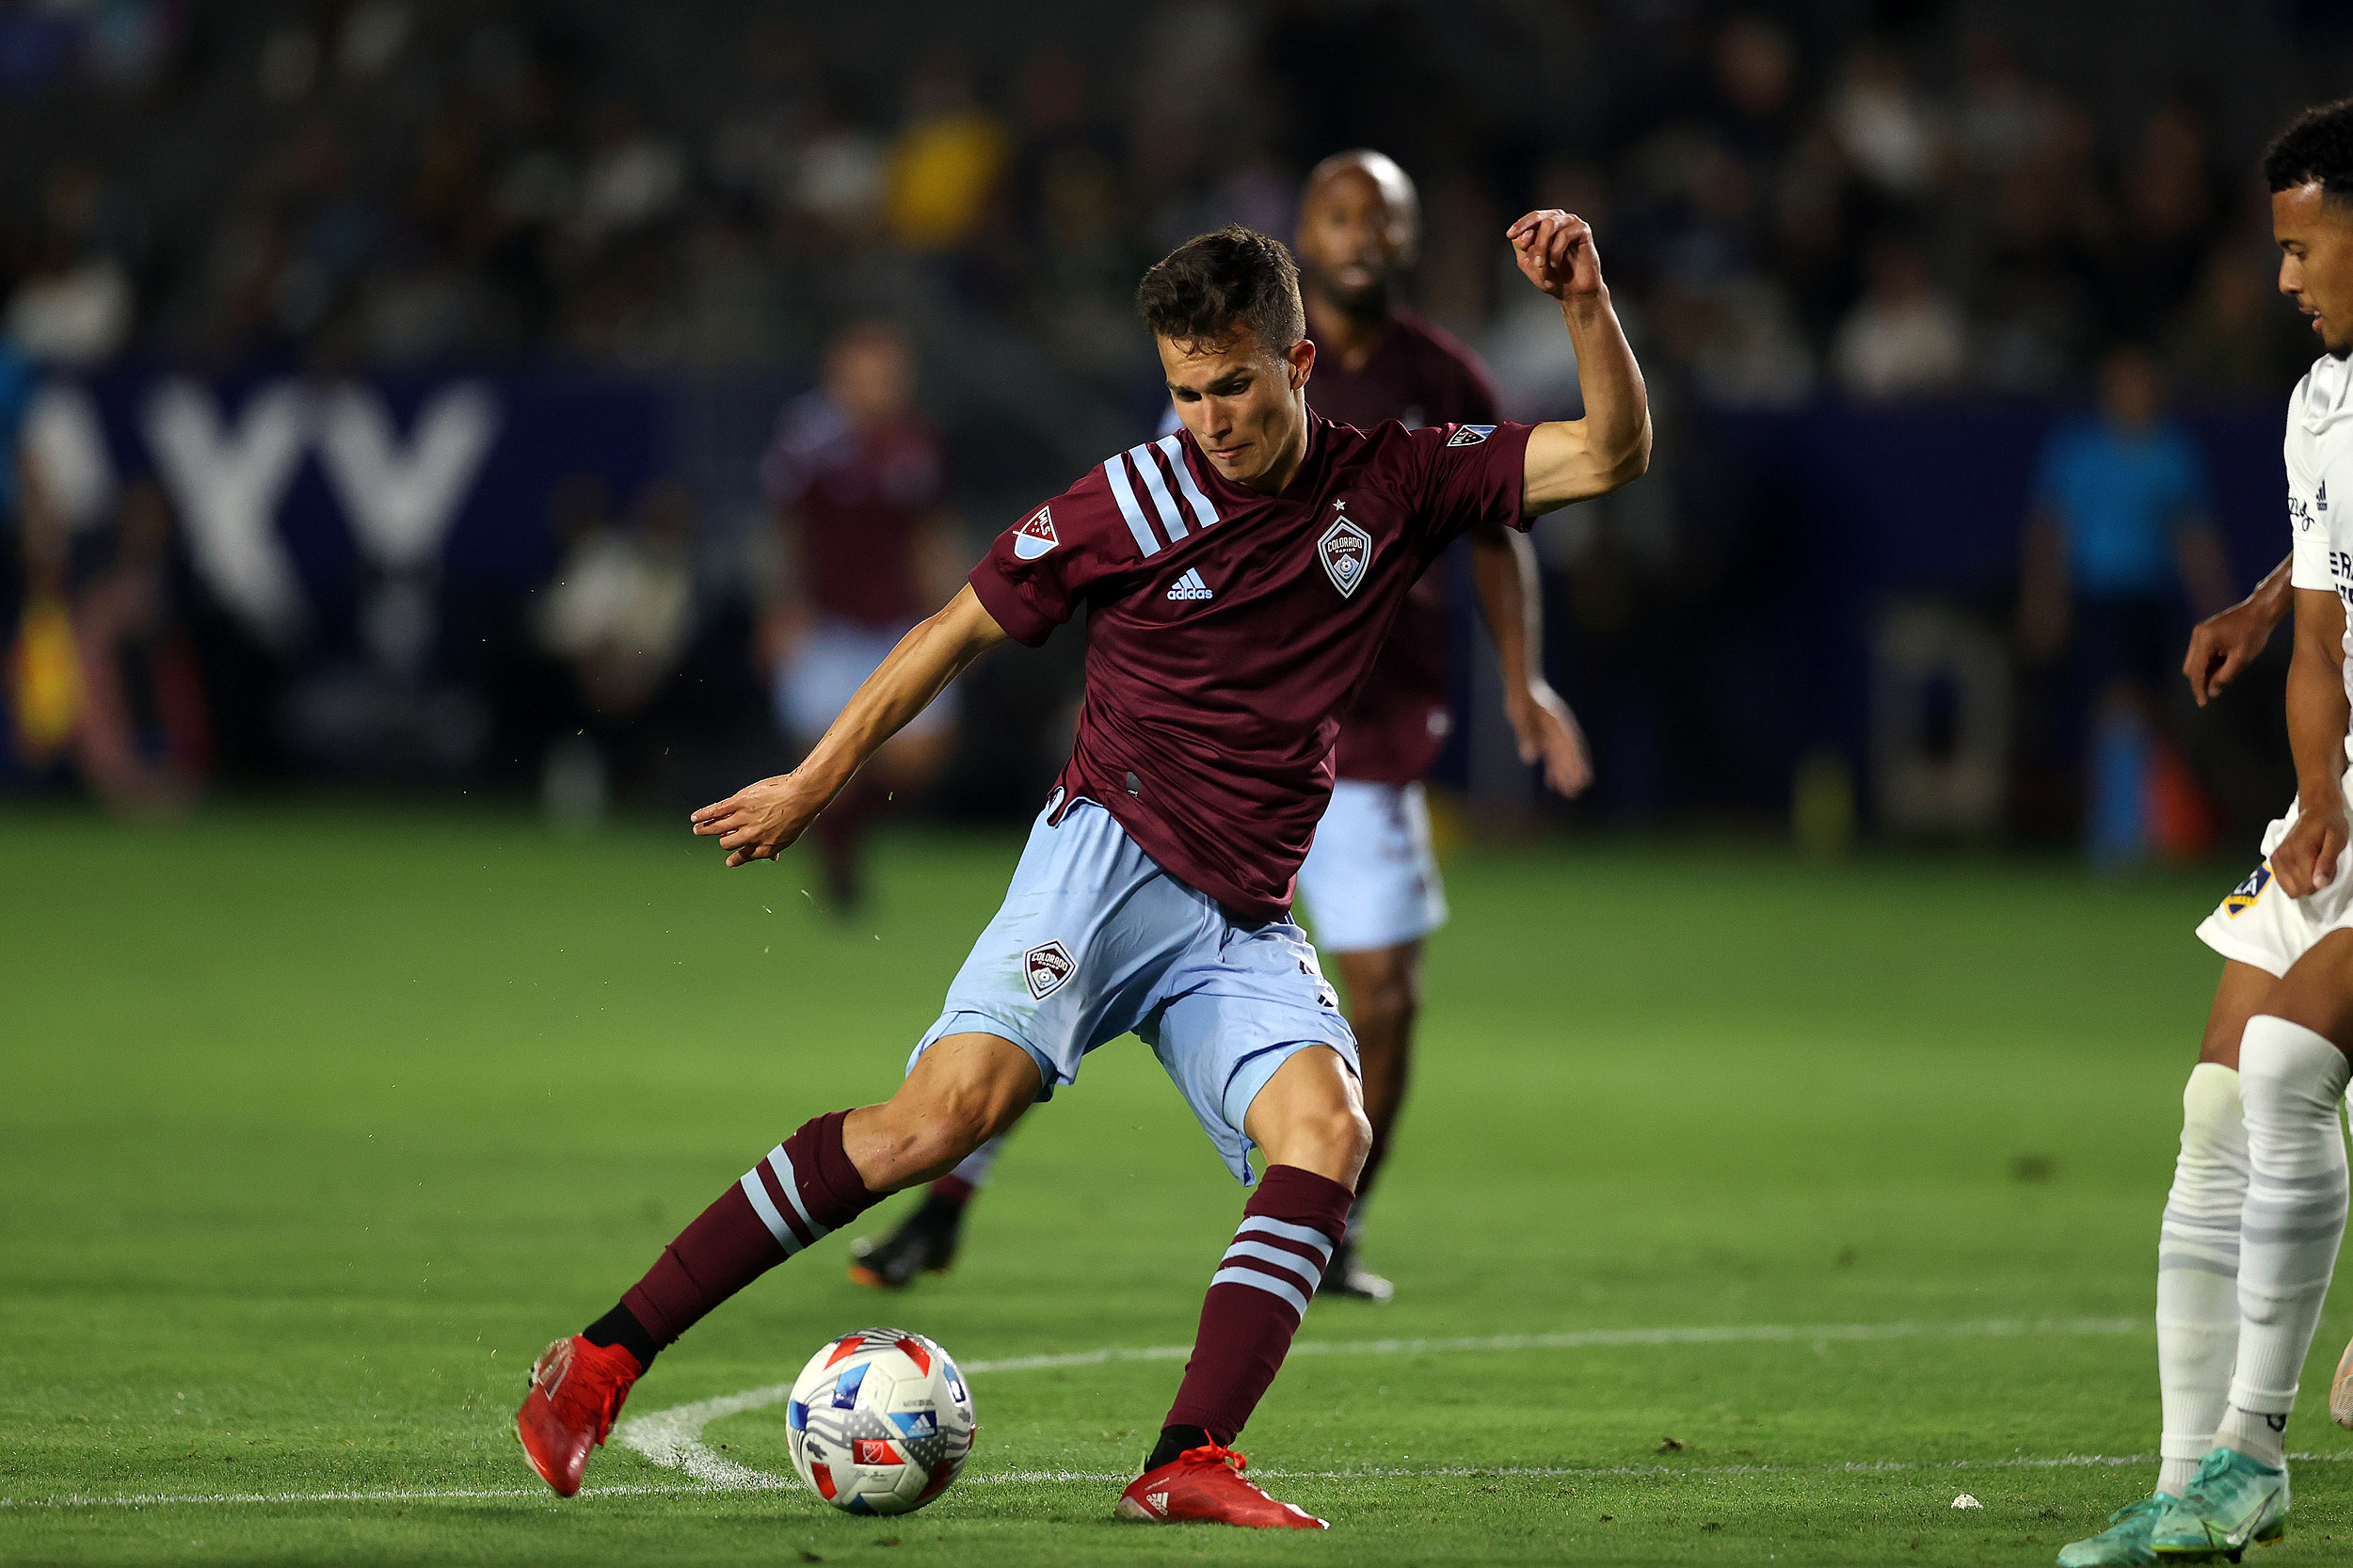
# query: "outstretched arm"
{"type": "Point", "coordinates": [1503, 567]}
{"type": "Point", "coordinates": [2227, 642]}
{"type": "Point", "coordinates": [2307, 858]}
{"type": "Point", "coordinates": [759, 820]}
{"type": "Point", "coordinates": [1576, 459]}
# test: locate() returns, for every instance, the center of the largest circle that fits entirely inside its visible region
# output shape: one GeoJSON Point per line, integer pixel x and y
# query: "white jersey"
{"type": "Point", "coordinates": [2319, 455]}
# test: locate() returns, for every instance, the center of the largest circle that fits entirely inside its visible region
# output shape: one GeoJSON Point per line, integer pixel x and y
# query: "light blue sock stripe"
{"type": "Point", "coordinates": [781, 1163]}
{"type": "Point", "coordinates": [1267, 1283]}
{"type": "Point", "coordinates": [756, 1190]}
{"type": "Point", "coordinates": [1306, 1236]}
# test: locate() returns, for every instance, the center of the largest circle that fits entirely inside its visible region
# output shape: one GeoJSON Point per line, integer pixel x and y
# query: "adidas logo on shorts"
{"type": "Point", "coordinates": [1191, 586]}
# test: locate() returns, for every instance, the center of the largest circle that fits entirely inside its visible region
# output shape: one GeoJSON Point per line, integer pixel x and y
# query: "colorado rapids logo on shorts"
{"type": "Point", "coordinates": [1046, 967]}
{"type": "Point", "coordinates": [1346, 551]}
{"type": "Point", "coordinates": [1037, 536]}
{"type": "Point", "coordinates": [2242, 898]}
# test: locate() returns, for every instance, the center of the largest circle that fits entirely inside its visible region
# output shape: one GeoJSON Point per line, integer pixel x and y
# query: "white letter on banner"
{"type": "Point", "coordinates": [401, 504]}
{"type": "Point", "coordinates": [62, 430]}
{"type": "Point", "coordinates": [228, 486]}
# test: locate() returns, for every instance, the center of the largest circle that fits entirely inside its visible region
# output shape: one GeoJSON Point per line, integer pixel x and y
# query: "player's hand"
{"type": "Point", "coordinates": [2306, 861]}
{"type": "Point", "coordinates": [1555, 251]}
{"type": "Point", "coordinates": [2222, 645]}
{"type": "Point", "coordinates": [1548, 733]}
{"type": "Point", "coordinates": [759, 820]}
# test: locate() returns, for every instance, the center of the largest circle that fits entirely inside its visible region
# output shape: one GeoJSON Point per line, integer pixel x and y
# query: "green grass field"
{"type": "Point", "coordinates": [315, 1127]}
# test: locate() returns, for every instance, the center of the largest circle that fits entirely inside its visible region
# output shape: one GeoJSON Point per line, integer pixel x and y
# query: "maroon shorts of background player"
{"type": "Point", "coordinates": [1417, 375]}
{"type": "Point", "coordinates": [859, 499]}
{"type": "Point", "coordinates": [1227, 628]}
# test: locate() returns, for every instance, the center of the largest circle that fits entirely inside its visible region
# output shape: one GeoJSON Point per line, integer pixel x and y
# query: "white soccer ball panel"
{"type": "Point", "coordinates": [880, 1422]}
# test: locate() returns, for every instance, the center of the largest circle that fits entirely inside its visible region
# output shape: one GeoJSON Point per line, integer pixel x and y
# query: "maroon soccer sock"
{"type": "Point", "coordinates": [949, 1191]}
{"type": "Point", "coordinates": [1257, 1297]}
{"type": "Point", "coordinates": [804, 1188]}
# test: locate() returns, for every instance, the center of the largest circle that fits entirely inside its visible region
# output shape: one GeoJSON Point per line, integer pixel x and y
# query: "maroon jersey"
{"type": "Point", "coordinates": [1226, 628]}
{"type": "Point", "coordinates": [1418, 375]}
{"type": "Point", "coordinates": [859, 499]}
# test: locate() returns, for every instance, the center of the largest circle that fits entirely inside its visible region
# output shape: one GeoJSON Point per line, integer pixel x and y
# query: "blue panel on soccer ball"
{"type": "Point", "coordinates": [857, 1505]}
{"type": "Point", "coordinates": [916, 1423]}
{"type": "Point", "coordinates": [796, 1415]}
{"type": "Point", "coordinates": [845, 1387]}
{"type": "Point", "coordinates": [955, 1380]}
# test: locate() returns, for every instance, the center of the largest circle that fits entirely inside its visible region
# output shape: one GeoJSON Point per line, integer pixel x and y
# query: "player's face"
{"type": "Point", "coordinates": [1350, 238]}
{"type": "Point", "coordinates": [2315, 238]}
{"type": "Point", "coordinates": [1244, 404]}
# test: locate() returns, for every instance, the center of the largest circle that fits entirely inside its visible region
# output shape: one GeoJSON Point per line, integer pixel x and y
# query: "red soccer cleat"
{"type": "Point", "coordinates": [1205, 1485]}
{"type": "Point", "coordinates": [576, 1390]}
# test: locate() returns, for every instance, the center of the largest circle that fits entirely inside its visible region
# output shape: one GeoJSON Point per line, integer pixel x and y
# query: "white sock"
{"type": "Point", "coordinates": [974, 1168]}
{"type": "Point", "coordinates": [2198, 1273]}
{"type": "Point", "coordinates": [2289, 1080]}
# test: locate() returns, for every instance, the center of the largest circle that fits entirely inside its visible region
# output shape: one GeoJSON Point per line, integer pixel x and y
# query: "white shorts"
{"type": "Point", "coordinates": [1370, 880]}
{"type": "Point", "coordinates": [2256, 923]}
{"type": "Point", "coordinates": [1094, 940]}
{"type": "Point", "coordinates": [825, 669]}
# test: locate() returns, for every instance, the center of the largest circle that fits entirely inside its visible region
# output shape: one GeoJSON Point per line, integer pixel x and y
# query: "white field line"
{"type": "Point", "coordinates": [1029, 1478]}
{"type": "Point", "coordinates": [673, 1437]}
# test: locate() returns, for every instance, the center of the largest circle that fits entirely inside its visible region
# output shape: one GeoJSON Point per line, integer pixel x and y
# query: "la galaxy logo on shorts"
{"type": "Point", "coordinates": [1037, 536]}
{"type": "Point", "coordinates": [2242, 898]}
{"type": "Point", "coordinates": [1046, 967]}
{"type": "Point", "coordinates": [1346, 551]}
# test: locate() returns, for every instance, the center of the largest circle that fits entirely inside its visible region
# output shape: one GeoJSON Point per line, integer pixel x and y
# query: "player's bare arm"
{"type": "Point", "coordinates": [2226, 642]}
{"type": "Point", "coordinates": [2306, 860]}
{"type": "Point", "coordinates": [759, 820]}
{"type": "Point", "coordinates": [1571, 460]}
{"type": "Point", "coordinates": [1503, 567]}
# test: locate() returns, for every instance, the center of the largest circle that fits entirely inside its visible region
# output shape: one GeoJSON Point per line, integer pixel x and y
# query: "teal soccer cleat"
{"type": "Point", "coordinates": [2126, 1542]}
{"type": "Point", "coordinates": [2233, 1503]}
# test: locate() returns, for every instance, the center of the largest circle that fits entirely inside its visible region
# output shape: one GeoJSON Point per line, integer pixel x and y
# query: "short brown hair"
{"type": "Point", "coordinates": [1201, 294]}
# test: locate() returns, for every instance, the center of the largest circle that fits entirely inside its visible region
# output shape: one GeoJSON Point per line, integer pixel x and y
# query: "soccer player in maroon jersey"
{"type": "Point", "coordinates": [1238, 577]}
{"type": "Point", "coordinates": [1370, 881]}
{"type": "Point", "coordinates": [853, 474]}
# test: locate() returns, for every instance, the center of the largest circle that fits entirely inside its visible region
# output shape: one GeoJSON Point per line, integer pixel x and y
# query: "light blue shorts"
{"type": "Point", "coordinates": [1370, 880]}
{"type": "Point", "coordinates": [1096, 941]}
{"type": "Point", "coordinates": [827, 667]}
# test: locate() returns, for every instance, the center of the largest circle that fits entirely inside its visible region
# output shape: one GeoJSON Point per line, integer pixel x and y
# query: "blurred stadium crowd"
{"type": "Point", "coordinates": [1803, 207]}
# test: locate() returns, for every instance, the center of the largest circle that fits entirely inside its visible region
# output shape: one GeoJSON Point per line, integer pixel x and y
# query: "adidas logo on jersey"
{"type": "Point", "coordinates": [1191, 586]}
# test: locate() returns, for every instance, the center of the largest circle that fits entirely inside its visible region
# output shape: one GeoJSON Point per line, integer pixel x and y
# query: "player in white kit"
{"type": "Point", "coordinates": [2258, 1204]}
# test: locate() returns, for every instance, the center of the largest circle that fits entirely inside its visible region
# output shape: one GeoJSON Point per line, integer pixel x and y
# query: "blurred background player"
{"type": "Point", "coordinates": [1370, 883]}
{"type": "Point", "coordinates": [865, 547]}
{"type": "Point", "coordinates": [2120, 536]}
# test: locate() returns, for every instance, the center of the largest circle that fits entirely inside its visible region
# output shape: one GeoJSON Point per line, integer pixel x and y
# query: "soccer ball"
{"type": "Point", "coordinates": [880, 1421]}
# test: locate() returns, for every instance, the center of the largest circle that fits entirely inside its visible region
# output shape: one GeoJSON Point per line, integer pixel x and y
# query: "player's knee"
{"type": "Point", "coordinates": [1343, 1135]}
{"type": "Point", "coordinates": [2211, 1114]}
